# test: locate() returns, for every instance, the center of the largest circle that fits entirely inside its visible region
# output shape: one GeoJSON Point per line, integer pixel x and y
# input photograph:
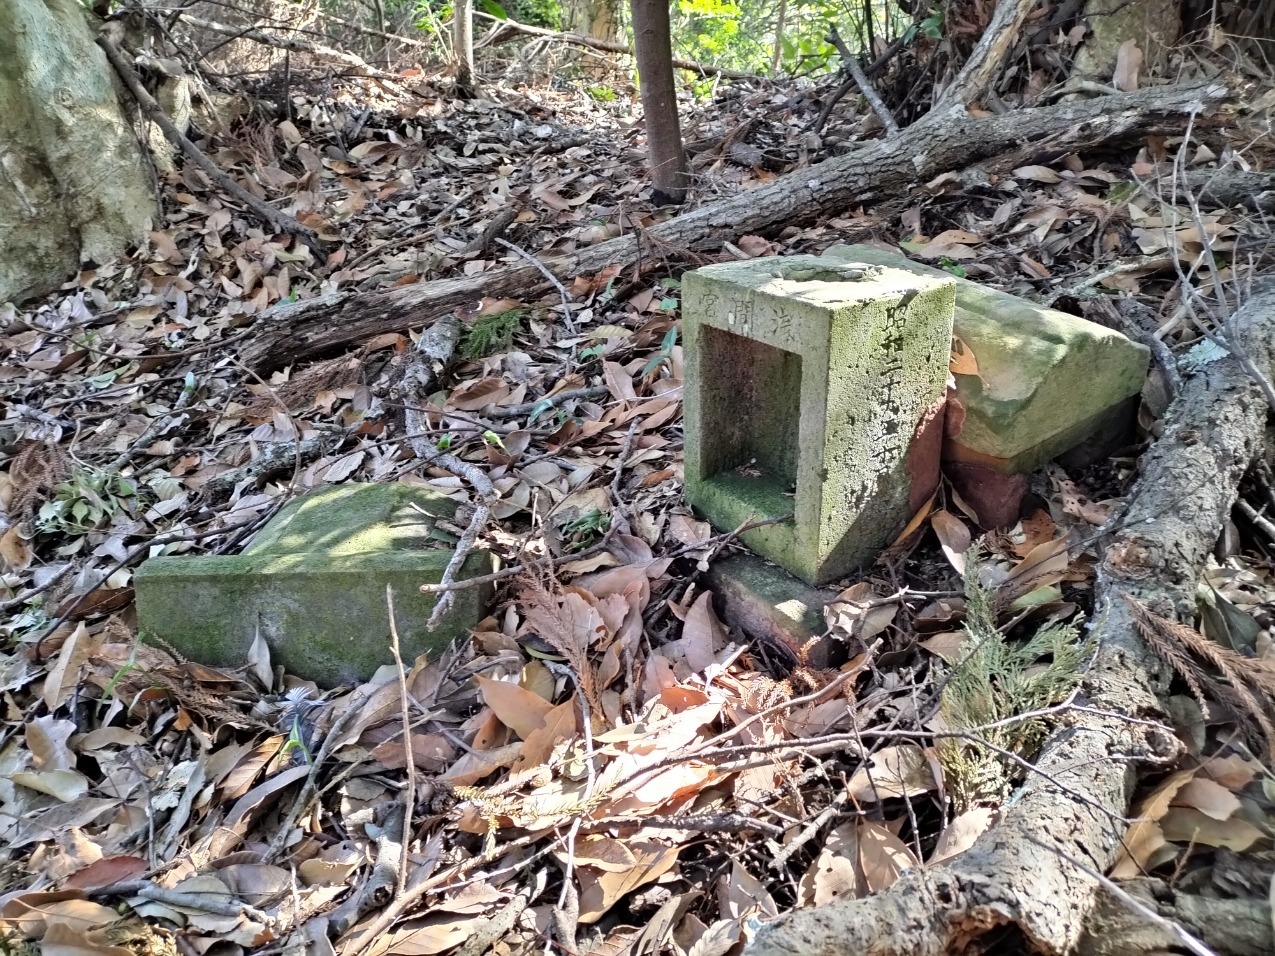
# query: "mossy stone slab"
{"type": "Point", "coordinates": [806, 384]}
{"type": "Point", "coordinates": [313, 584]}
{"type": "Point", "coordinates": [1046, 380]}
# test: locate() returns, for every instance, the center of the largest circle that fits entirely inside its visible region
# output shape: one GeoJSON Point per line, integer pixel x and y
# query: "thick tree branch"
{"type": "Point", "coordinates": [988, 57]}
{"type": "Point", "coordinates": [877, 170]}
{"type": "Point", "coordinates": [509, 29]}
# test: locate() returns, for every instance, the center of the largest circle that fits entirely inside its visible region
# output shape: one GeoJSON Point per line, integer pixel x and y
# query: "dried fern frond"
{"type": "Point", "coordinates": [37, 468]}
{"type": "Point", "coordinates": [566, 622]}
{"type": "Point", "coordinates": [1246, 683]}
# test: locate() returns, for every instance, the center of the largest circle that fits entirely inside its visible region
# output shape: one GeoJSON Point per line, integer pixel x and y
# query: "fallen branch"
{"type": "Point", "coordinates": [851, 66]}
{"type": "Point", "coordinates": [155, 113]}
{"type": "Point", "coordinates": [508, 29]}
{"type": "Point", "coordinates": [1240, 927]}
{"type": "Point", "coordinates": [550, 401]}
{"type": "Point", "coordinates": [433, 352]}
{"type": "Point", "coordinates": [200, 902]}
{"type": "Point", "coordinates": [274, 457]}
{"type": "Point", "coordinates": [293, 43]}
{"type": "Point", "coordinates": [1015, 875]}
{"type": "Point", "coordinates": [1226, 188]}
{"type": "Point", "coordinates": [879, 169]}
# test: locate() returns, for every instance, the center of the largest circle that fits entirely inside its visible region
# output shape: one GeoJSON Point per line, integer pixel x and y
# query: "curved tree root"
{"type": "Point", "coordinates": [1016, 880]}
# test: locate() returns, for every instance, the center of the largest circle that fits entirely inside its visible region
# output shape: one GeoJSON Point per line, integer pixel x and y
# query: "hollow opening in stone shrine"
{"type": "Point", "coordinates": [751, 394]}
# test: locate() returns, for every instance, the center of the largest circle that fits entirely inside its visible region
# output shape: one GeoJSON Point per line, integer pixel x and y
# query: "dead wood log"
{"type": "Point", "coordinates": [1227, 188]}
{"type": "Point", "coordinates": [506, 30]}
{"type": "Point", "coordinates": [1239, 927]}
{"type": "Point", "coordinates": [880, 169]}
{"type": "Point", "coordinates": [1012, 881]}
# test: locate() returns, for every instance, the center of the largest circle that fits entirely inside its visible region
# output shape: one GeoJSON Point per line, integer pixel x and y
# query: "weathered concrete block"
{"type": "Point", "coordinates": [767, 602]}
{"type": "Point", "coordinates": [313, 584]}
{"type": "Point", "coordinates": [1046, 380]}
{"type": "Point", "coordinates": [806, 384]}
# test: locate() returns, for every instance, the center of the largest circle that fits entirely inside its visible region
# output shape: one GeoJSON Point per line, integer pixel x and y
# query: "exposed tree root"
{"type": "Point", "coordinates": [1239, 927]}
{"type": "Point", "coordinates": [1012, 881]}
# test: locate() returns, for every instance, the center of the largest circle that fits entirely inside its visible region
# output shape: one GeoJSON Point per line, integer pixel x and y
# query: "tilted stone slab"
{"type": "Point", "coordinates": [806, 384]}
{"type": "Point", "coordinates": [1047, 380]}
{"type": "Point", "coordinates": [313, 584]}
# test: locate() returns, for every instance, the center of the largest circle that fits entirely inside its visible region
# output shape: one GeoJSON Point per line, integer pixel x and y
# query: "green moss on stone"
{"type": "Point", "coordinates": [313, 585]}
{"type": "Point", "coordinates": [1044, 376]}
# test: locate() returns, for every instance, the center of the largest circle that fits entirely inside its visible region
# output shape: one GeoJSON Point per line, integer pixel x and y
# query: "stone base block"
{"type": "Point", "coordinates": [767, 603]}
{"type": "Point", "coordinates": [313, 586]}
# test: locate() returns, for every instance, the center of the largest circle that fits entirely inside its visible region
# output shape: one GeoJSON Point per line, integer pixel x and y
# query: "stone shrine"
{"type": "Point", "coordinates": [809, 388]}
{"type": "Point", "coordinates": [815, 399]}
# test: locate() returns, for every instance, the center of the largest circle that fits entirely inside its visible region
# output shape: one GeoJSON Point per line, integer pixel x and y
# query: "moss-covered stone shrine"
{"type": "Point", "coordinates": [809, 384]}
{"type": "Point", "coordinates": [815, 398]}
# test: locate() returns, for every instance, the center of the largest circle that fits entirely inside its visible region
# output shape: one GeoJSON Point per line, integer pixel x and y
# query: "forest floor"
{"type": "Point", "coordinates": [606, 763]}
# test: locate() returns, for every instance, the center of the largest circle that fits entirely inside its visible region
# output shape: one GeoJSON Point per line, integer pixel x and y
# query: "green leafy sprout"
{"type": "Point", "coordinates": [664, 354]}
{"type": "Point", "coordinates": [585, 529]}
{"type": "Point", "coordinates": [87, 501]}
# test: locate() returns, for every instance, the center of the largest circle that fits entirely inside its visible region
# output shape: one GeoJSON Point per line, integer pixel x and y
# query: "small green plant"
{"type": "Point", "coordinates": [491, 333]}
{"type": "Point", "coordinates": [602, 94]}
{"type": "Point", "coordinates": [996, 680]}
{"type": "Point", "coordinates": [296, 742]}
{"type": "Point", "coordinates": [28, 624]}
{"type": "Point", "coordinates": [87, 501]}
{"type": "Point", "coordinates": [1121, 193]}
{"type": "Point", "coordinates": [931, 26]}
{"type": "Point", "coordinates": [121, 672]}
{"type": "Point", "coordinates": [664, 354]}
{"type": "Point", "coordinates": [582, 531]}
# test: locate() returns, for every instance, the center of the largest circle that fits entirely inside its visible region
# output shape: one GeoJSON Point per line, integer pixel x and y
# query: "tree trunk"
{"type": "Point", "coordinates": [463, 43]}
{"type": "Point", "coordinates": [654, 48]}
{"type": "Point", "coordinates": [73, 183]}
{"type": "Point", "coordinates": [878, 170]}
{"type": "Point", "coordinates": [596, 19]}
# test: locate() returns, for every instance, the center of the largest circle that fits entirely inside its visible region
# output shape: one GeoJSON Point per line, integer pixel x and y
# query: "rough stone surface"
{"type": "Point", "coordinates": [1047, 380]}
{"type": "Point", "coordinates": [767, 602]}
{"type": "Point", "coordinates": [806, 383]}
{"type": "Point", "coordinates": [313, 585]}
{"type": "Point", "coordinates": [995, 496]}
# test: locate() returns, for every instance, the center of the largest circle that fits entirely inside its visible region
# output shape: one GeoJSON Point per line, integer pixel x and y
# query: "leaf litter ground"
{"type": "Point", "coordinates": [606, 763]}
